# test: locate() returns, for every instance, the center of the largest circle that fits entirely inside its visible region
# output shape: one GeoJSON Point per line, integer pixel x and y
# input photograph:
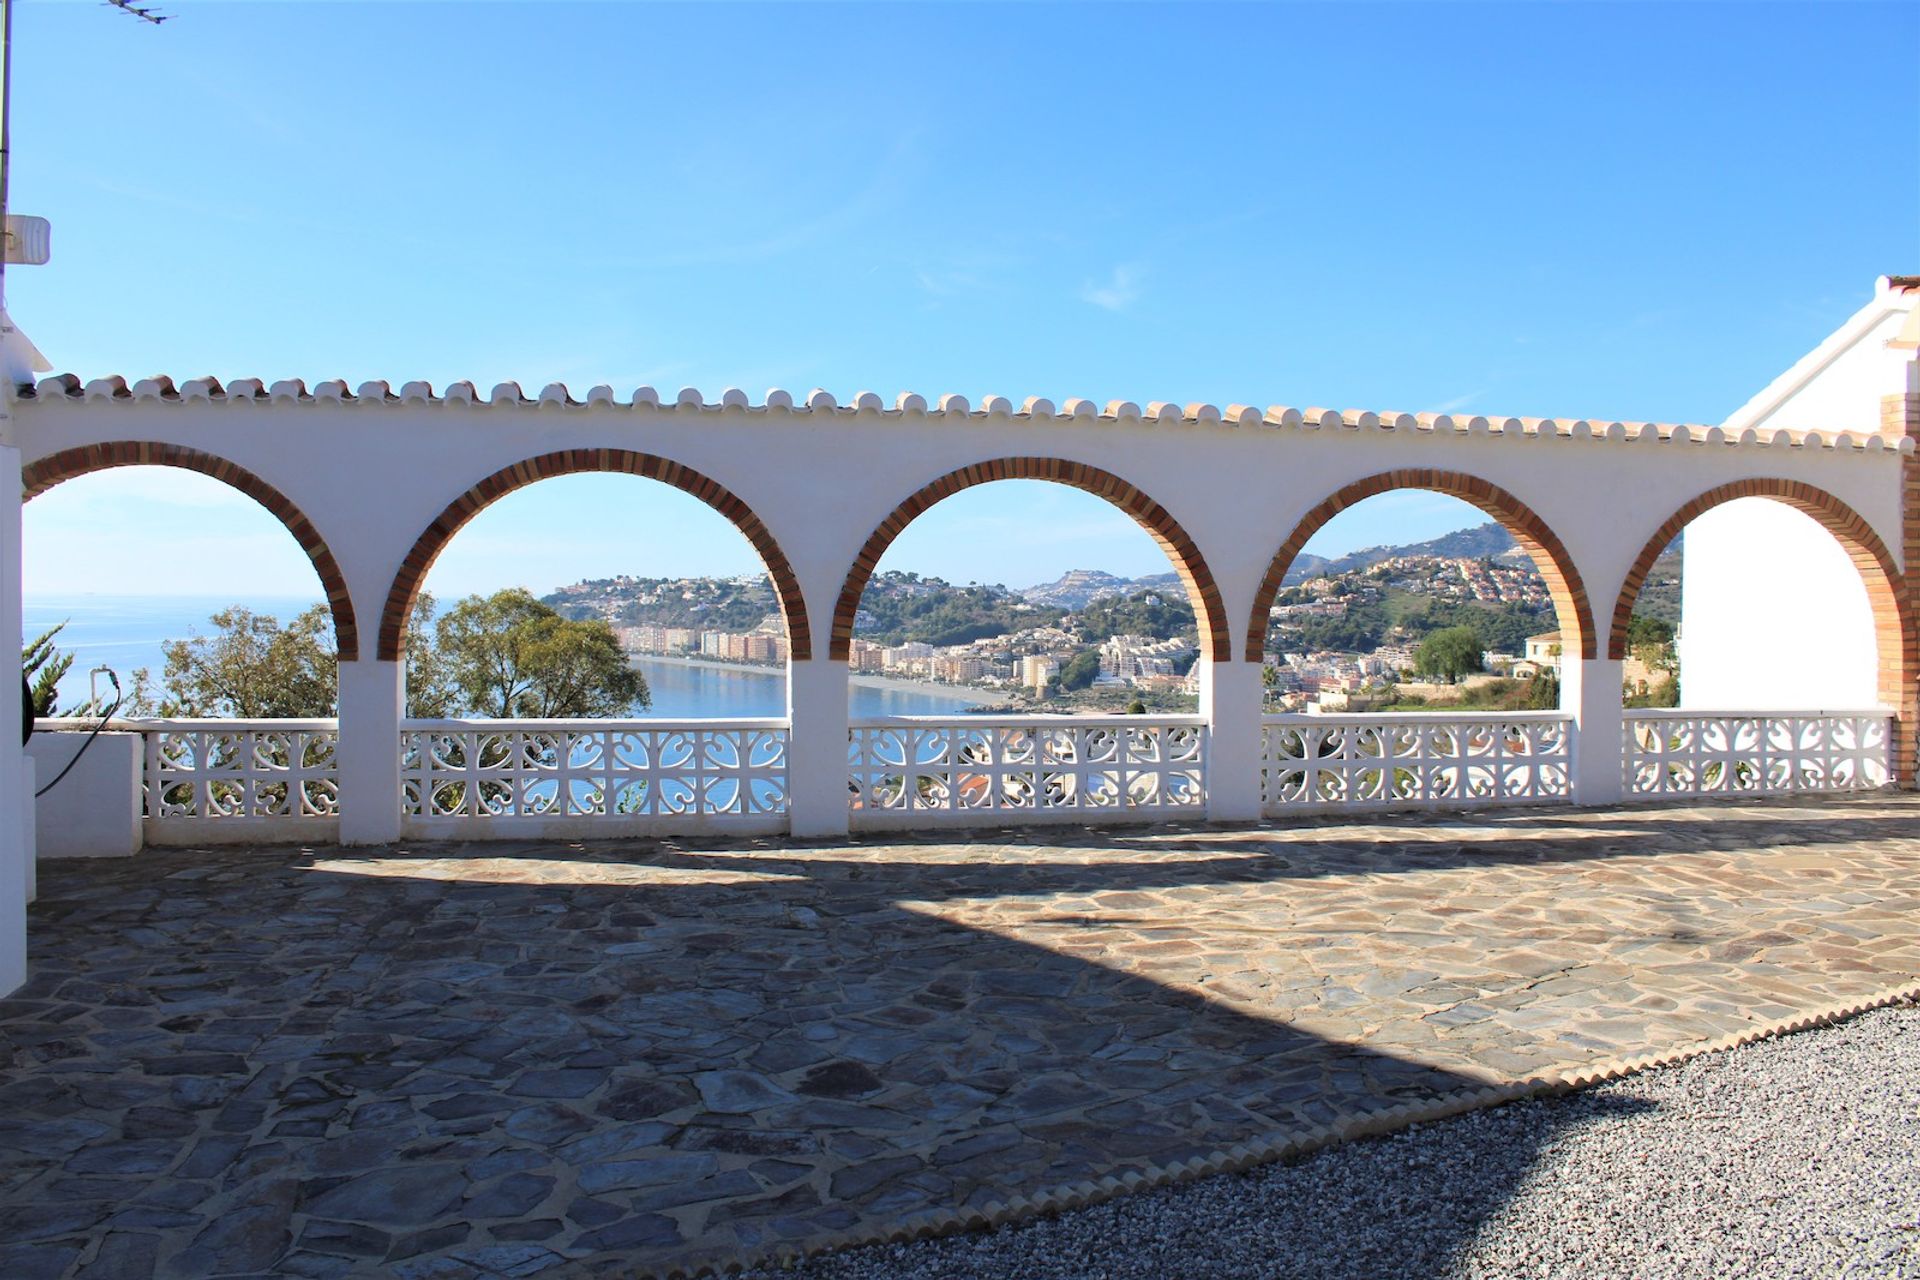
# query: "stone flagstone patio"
{"type": "Point", "coordinates": [626, 1057]}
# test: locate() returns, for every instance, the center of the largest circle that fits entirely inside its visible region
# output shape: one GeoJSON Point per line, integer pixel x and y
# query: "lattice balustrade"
{"type": "Point", "coordinates": [1744, 752]}
{"type": "Point", "coordinates": [226, 769]}
{"type": "Point", "coordinates": [1423, 760]}
{"type": "Point", "coordinates": [632, 774]}
{"type": "Point", "coordinates": [987, 770]}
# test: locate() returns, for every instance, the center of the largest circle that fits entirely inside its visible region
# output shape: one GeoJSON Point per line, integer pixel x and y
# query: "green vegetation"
{"type": "Point", "coordinates": [1541, 693]}
{"type": "Point", "coordinates": [1449, 654]}
{"type": "Point", "coordinates": [701, 604]}
{"type": "Point", "coordinates": [900, 608]}
{"type": "Point", "coordinates": [252, 666]}
{"type": "Point", "coordinates": [44, 666]}
{"type": "Point", "coordinates": [1145, 613]}
{"type": "Point", "coordinates": [512, 656]}
{"type": "Point", "coordinates": [1079, 673]}
{"type": "Point", "coordinates": [1405, 616]}
{"type": "Point", "coordinates": [501, 655]}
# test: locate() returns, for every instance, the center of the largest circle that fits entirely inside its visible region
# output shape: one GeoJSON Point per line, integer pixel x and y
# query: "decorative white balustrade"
{"type": "Point", "coordinates": [241, 780]}
{"type": "Point", "coordinates": [272, 771]}
{"type": "Point", "coordinates": [1670, 753]}
{"type": "Point", "coordinates": [986, 770]}
{"type": "Point", "coordinates": [1410, 761]}
{"type": "Point", "coordinates": [470, 778]}
{"type": "Point", "coordinates": [230, 781]}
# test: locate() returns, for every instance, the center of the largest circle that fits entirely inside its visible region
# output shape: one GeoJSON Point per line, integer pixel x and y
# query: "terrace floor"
{"type": "Point", "coordinates": [577, 1059]}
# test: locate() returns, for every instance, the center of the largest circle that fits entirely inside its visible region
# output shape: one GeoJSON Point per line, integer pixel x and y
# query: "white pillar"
{"type": "Point", "coordinates": [817, 748]}
{"type": "Point", "coordinates": [1231, 697]}
{"type": "Point", "coordinates": [16, 801]}
{"type": "Point", "coordinates": [372, 701]}
{"type": "Point", "coordinates": [1590, 689]}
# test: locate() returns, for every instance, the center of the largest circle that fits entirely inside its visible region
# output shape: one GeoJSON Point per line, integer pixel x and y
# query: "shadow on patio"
{"type": "Point", "coordinates": [582, 1059]}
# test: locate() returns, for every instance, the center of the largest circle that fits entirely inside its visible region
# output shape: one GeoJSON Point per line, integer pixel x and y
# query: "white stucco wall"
{"type": "Point", "coordinates": [1775, 614]}
{"type": "Point", "coordinates": [94, 812]}
{"type": "Point", "coordinates": [14, 780]}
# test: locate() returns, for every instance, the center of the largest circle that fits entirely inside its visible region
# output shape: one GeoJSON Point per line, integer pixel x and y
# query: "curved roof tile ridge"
{"type": "Point", "coordinates": [68, 387]}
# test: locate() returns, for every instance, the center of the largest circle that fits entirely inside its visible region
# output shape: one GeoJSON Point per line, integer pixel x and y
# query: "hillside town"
{"type": "Point", "coordinates": [1344, 634]}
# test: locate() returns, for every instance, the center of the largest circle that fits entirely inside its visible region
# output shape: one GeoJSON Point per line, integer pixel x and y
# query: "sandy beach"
{"type": "Point", "coordinates": [954, 692]}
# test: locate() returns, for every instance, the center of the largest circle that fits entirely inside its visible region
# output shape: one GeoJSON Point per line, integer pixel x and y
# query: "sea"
{"type": "Point", "coordinates": [125, 633]}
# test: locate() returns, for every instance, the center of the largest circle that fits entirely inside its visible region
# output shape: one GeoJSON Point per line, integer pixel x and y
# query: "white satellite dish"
{"type": "Point", "coordinates": [29, 240]}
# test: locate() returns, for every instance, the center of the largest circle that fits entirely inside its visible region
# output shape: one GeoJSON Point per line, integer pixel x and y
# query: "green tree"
{"type": "Point", "coordinates": [512, 656]}
{"type": "Point", "coordinates": [1449, 654]}
{"type": "Point", "coordinates": [1080, 672]}
{"type": "Point", "coordinates": [252, 667]}
{"type": "Point", "coordinates": [45, 666]}
{"type": "Point", "coordinates": [1542, 692]}
{"type": "Point", "coordinates": [431, 691]}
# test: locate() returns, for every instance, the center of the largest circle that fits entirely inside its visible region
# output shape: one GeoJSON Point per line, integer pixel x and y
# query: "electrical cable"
{"type": "Point", "coordinates": [118, 698]}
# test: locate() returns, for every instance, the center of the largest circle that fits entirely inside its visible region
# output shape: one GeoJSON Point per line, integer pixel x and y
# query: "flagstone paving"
{"type": "Point", "coordinates": [516, 1060]}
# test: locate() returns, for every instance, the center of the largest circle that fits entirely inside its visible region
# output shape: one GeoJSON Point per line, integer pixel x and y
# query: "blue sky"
{"type": "Point", "coordinates": [1629, 211]}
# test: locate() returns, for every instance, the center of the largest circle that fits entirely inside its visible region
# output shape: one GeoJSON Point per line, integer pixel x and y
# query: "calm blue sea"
{"type": "Point", "coordinates": [126, 632]}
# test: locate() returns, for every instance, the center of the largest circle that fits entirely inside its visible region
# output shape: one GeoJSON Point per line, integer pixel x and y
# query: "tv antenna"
{"type": "Point", "coordinates": [146, 13]}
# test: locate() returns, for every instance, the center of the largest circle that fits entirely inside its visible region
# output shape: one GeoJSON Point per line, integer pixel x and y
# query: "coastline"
{"type": "Point", "coordinates": [957, 692]}
{"type": "Point", "coordinates": [710, 664]}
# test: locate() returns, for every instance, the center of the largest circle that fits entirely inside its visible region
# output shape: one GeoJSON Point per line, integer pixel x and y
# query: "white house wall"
{"type": "Point", "coordinates": [1775, 614]}
{"type": "Point", "coordinates": [1773, 610]}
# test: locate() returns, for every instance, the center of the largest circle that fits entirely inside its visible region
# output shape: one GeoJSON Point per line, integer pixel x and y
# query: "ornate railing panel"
{"type": "Point", "coordinates": [991, 770]}
{"type": "Point", "coordinates": [555, 775]}
{"type": "Point", "coordinates": [231, 780]}
{"type": "Point", "coordinates": [1421, 760]}
{"type": "Point", "coordinates": [1755, 752]}
{"type": "Point", "coordinates": [229, 769]}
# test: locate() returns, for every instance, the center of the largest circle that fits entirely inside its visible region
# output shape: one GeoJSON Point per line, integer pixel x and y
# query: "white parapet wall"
{"type": "Point", "coordinates": [95, 811]}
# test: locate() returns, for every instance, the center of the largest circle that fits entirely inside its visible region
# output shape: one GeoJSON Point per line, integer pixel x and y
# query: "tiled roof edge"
{"type": "Point", "coordinates": [557, 396]}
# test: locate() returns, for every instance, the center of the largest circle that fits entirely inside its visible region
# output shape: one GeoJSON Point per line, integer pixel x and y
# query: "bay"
{"type": "Point", "coordinates": [127, 632]}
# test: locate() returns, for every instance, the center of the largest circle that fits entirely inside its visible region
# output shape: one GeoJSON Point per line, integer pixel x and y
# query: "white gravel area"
{"type": "Point", "coordinates": [1798, 1156]}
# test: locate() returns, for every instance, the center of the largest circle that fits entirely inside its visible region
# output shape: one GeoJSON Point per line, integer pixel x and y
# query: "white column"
{"type": "Point", "coordinates": [1590, 689]}
{"type": "Point", "coordinates": [16, 800]}
{"type": "Point", "coordinates": [1231, 695]}
{"type": "Point", "coordinates": [817, 748]}
{"type": "Point", "coordinates": [372, 701]}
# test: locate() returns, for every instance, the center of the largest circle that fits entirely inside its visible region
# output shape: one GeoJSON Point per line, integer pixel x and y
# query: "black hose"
{"type": "Point", "coordinates": [118, 698]}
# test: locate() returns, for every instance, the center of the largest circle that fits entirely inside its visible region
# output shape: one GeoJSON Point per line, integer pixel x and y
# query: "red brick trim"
{"type": "Point", "coordinates": [1887, 590]}
{"type": "Point", "coordinates": [1529, 530]}
{"type": "Point", "coordinates": [413, 570]}
{"type": "Point", "coordinates": [1151, 516]}
{"type": "Point", "coordinates": [38, 477]}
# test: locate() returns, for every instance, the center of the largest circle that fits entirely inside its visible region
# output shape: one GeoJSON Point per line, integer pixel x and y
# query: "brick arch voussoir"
{"type": "Point", "coordinates": [57, 468]}
{"type": "Point", "coordinates": [434, 538]}
{"type": "Point", "coordinates": [1534, 535]}
{"type": "Point", "coordinates": [1896, 635]}
{"type": "Point", "coordinates": [1189, 565]}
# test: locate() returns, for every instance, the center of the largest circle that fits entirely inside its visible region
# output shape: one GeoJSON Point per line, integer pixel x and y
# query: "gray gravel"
{"type": "Point", "coordinates": [1794, 1157]}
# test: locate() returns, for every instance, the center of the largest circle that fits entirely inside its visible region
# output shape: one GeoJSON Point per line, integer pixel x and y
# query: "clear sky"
{"type": "Point", "coordinates": [1623, 211]}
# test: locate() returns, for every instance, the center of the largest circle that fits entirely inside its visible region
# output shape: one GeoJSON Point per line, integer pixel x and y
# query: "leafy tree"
{"type": "Point", "coordinates": [253, 667]}
{"type": "Point", "coordinates": [511, 656]}
{"type": "Point", "coordinates": [431, 691]}
{"type": "Point", "coordinates": [1449, 654]}
{"type": "Point", "coordinates": [1651, 640]}
{"type": "Point", "coordinates": [1542, 692]}
{"type": "Point", "coordinates": [1080, 672]}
